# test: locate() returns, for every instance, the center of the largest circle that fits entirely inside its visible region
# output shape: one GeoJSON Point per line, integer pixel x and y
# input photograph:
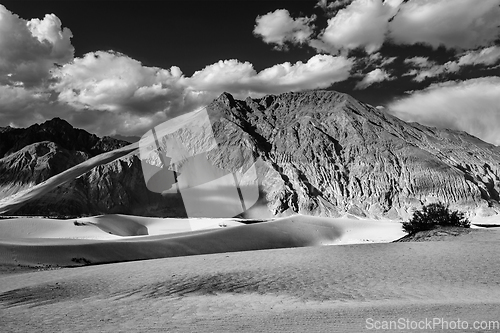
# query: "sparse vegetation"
{"type": "Point", "coordinates": [81, 261]}
{"type": "Point", "coordinates": [432, 215]}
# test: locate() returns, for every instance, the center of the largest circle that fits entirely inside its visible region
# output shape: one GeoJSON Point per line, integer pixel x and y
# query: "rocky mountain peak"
{"type": "Point", "coordinates": [226, 99]}
{"type": "Point", "coordinates": [56, 123]}
{"type": "Point", "coordinates": [328, 154]}
{"type": "Point", "coordinates": [59, 131]}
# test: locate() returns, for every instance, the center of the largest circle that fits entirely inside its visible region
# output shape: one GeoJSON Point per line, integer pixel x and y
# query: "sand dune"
{"type": "Point", "coordinates": [104, 226]}
{"type": "Point", "coordinates": [311, 289]}
{"type": "Point", "coordinates": [115, 238]}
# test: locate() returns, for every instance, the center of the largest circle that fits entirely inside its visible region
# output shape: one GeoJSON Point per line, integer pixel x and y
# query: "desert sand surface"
{"type": "Point", "coordinates": [307, 289]}
{"type": "Point", "coordinates": [39, 242]}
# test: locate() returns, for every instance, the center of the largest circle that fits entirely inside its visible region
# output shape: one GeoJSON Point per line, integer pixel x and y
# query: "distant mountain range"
{"type": "Point", "coordinates": [96, 175]}
{"type": "Point", "coordinates": [320, 153]}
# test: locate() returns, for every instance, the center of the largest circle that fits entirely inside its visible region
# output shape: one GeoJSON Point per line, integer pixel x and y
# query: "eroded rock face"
{"type": "Point", "coordinates": [329, 154]}
{"type": "Point", "coordinates": [34, 155]}
{"type": "Point", "coordinates": [320, 153]}
{"type": "Point", "coordinates": [115, 187]}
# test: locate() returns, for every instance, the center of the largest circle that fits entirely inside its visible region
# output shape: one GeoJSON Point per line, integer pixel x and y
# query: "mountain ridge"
{"type": "Point", "coordinates": [320, 153]}
{"type": "Point", "coordinates": [340, 128]}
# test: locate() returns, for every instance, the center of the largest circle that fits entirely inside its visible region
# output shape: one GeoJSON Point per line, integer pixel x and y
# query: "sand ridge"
{"type": "Point", "coordinates": [115, 238]}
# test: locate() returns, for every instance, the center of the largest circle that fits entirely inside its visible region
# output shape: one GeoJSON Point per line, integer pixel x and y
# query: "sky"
{"type": "Point", "coordinates": [123, 67]}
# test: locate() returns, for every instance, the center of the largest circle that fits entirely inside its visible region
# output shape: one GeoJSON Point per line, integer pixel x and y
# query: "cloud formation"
{"type": "Point", "coordinates": [29, 49]}
{"type": "Point", "coordinates": [368, 24]}
{"type": "Point", "coordinates": [486, 56]}
{"type": "Point", "coordinates": [331, 8]}
{"type": "Point", "coordinates": [423, 68]}
{"type": "Point", "coordinates": [472, 106]}
{"type": "Point", "coordinates": [110, 81]}
{"type": "Point", "coordinates": [279, 27]}
{"type": "Point", "coordinates": [362, 24]}
{"type": "Point", "coordinates": [241, 79]}
{"type": "Point", "coordinates": [376, 75]}
{"type": "Point", "coordinates": [456, 24]}
{"type": "Point", "coordinates": [108, 92]}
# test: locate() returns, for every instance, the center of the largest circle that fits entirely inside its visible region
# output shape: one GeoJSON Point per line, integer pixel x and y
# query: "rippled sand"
{"type": "Point", "coordinates": [306, 289]}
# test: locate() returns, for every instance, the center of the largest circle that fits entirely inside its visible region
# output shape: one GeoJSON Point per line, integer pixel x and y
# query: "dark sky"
{"type": "Point", "coordinates": [188, 34]}
{"type": "Point", "coordinates": [384, 68]}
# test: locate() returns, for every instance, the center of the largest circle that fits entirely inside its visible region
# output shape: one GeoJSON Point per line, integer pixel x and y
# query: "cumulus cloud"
{"type": "Point", "coordinates": [110, 81]}
{"type": "Point", "coordinates": [460, 24]}
{"type": "Point", "coordinates": [113, 81]}
{"type": "Point", "coordinates": [376, 75]}
{"type": "Point", "coordinates": [241, 79]}
{"type": "Point", "coordinates": [29, 49]}
{"type": "Point", "coordinates": [279, 27]}
{"type": "Point", "coordinates": [362, 24]}
{"type": "Point", "coordinates": [107, 92]}
{"type": "Point", "coordinates": [472, 106]}
{"type": "Point", "coordinates": [367, 24]}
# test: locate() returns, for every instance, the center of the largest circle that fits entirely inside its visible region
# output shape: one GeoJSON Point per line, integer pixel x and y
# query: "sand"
{"type": "Point", "coordinates": [307, 289]}
{"type": "Point", "coordinates": [293, 274]}
{"type": "Point", "coordinates": [43, 242]}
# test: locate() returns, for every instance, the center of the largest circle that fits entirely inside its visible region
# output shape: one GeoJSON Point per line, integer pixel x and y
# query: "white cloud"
{"type": "Point", "coordinates": [486, 56]}
{"type": "Point", "coordinates": [278, 27]}
{"type": "Point", "coordinates": [376, 75]}
{"type": "Point", "coordinates": [381, 61]}
{"type": "Point", "coordinates": [461, 24]}
{"type": "Point", "coordinates": [418, 61]}
{"type": "Point", "coordinates": [241, 79]}
{"type": "Point", "coordinates": [107, 92]}
{"type": "Point", "coordinates": [363, 23]}
{"type": "Point", "coordinates": [426, 68]}
{"type": "Point", "coordinates": [29, 49]}
{"type": "Point", "coordinates": [454, 24]}
{"type": "Point", "coordinates": [113, 81]}
{"type": "Point", "coordinates": [388, 61]}
{"type": "Point", "coordinates": [429, 73]}
{"type": "Point", "coordinates": [472, 106]}
{"type": "Point", "coordinates": [332, 7]}
{"type": "Point", "coordinates": [430, 69]}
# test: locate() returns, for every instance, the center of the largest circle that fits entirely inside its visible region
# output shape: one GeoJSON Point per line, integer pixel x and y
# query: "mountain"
{"type": "Point", "coordinates": [63, 171]}
{"type": "Point", "coordinates": [58, 131]}
{"type": "Point", "coordinates": [129, 139]}
{"type": "Point", "coordinates": [319, 153]}
{"type": "Point", "coordinates": [329, 154]}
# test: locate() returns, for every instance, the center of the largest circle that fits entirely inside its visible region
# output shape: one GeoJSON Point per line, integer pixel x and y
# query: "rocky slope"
{"type": "Point", "coordinates": [320, 153]}
{"type": "Point", "coordinates": [329, 154]}
{"type": "Point", "coordinates": [34, 155]}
